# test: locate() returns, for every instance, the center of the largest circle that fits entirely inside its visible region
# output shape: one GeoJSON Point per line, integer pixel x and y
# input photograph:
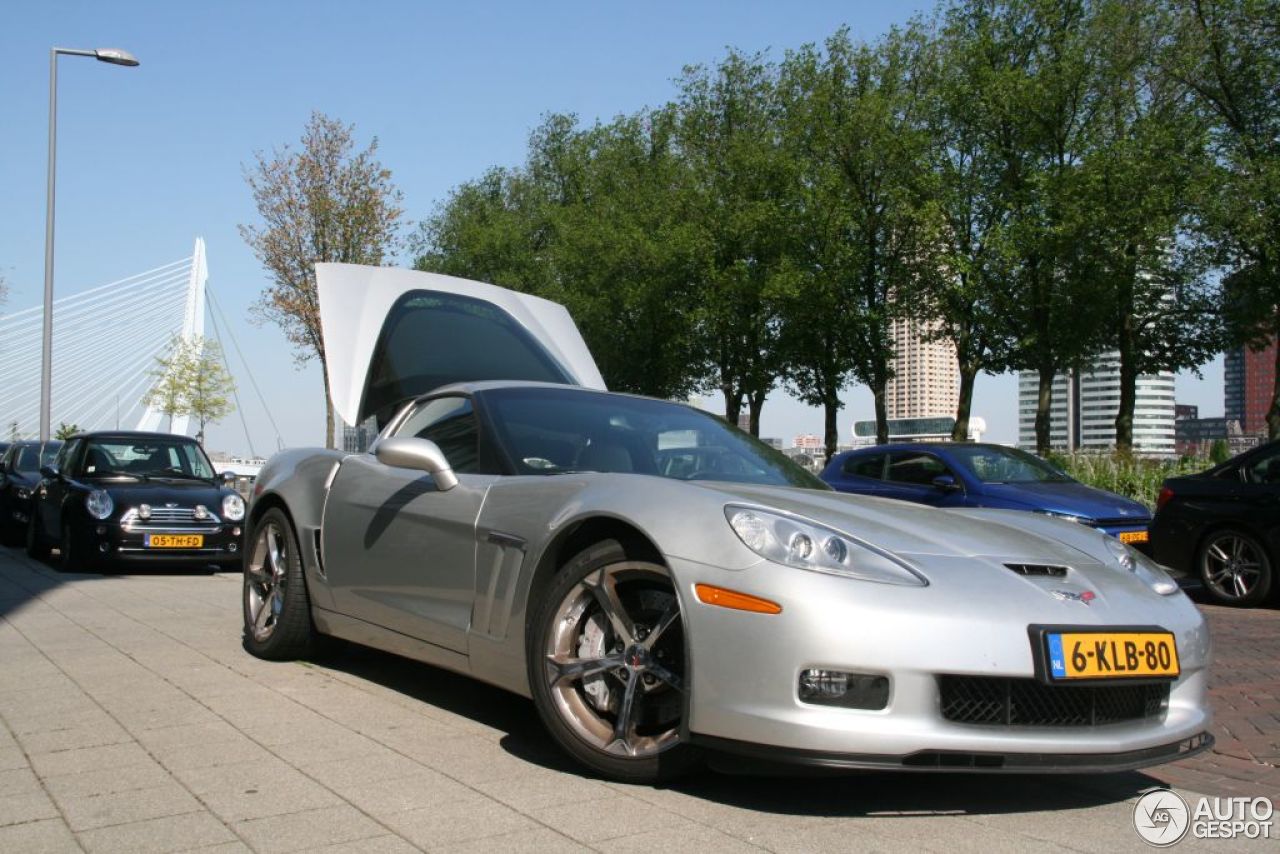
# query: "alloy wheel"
{"type": "Point", "coordinates": [266, 581]}
{"type": "Point", "coordinates": [614, 660]}
{"type": "Point", "coordinates": [1233, 566]}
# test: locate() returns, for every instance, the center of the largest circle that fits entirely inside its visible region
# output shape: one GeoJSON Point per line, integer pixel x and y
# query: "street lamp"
{"type": "Point", "coordinates": [114, 56]}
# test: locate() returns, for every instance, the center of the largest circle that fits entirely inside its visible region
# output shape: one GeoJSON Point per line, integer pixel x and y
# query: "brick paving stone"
{"type": "Point", "coordinates": [374, 753]}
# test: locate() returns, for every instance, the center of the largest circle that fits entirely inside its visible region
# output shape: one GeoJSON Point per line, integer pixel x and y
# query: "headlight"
{"type": "Point", "coordinates": [99, 504]}
{"type": "Point", "coordinates": [23, 492]}
{"type": "Point", "coordinates": [1131, 560]}
{"type": "Point", "coordinates": [1070, 517]}
{"type": "Point", "coordinates": [233, 508]}
{"type": "Point", "coordinates": [807, 545]}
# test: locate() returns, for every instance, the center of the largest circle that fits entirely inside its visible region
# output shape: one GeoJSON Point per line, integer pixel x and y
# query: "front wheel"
{"type": "Point", "coordinates": [277, 608]}
{"type": "Point", "coordinates": [74, 555]}
{"type": "Point", "coordinates": [37, 548]}
{"type": "Point", "coordinates": [1235, 568]}
{"type": "Point", "coordinates": [608, 667]}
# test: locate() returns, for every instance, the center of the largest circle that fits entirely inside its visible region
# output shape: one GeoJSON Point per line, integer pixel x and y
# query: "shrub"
{"type": "Point", "coordinates": [1134, 477]}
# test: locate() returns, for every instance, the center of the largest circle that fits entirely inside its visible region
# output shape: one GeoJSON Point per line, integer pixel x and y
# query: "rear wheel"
{"type": "Point", "coordinates": [277, 608]}
{"type": "Point", "coordinates": [608, 668]}
{"type": "Point", "coordinates": [1235, 568]}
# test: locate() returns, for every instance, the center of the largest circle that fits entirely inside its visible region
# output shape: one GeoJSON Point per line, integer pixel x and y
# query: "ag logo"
{"type": "Point", "coordinates": [1161, 817]}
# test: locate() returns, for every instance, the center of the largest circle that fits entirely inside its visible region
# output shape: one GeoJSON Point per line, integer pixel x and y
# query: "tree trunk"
{"type": "Point", "coordinates": [1127, 345]}
{"type": "Point", "coordinates": [831, 434]}
{"type": "Point", "coordinates": [1044, 403]}
{"type": "Point", "coordinates": [328, 406]}
{"type": "Point", "coordinates": [732, 403]}
{"type": "Point", "coordinates": [755, 401]}
{"type": "Point", "coordinates": [882, 413]}
{"type": "Point", "coordinates": [1273, 413]}
{"type": "Point", "coordinates": [964, 406]}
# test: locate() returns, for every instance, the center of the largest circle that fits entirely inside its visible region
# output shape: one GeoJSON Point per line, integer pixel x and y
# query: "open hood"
{"type": "Point", "coordinates": [391, 335]}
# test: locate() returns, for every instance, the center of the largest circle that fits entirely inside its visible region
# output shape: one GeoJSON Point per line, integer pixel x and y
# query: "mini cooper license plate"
{"type": "Point", "coordinates": [1111, 655]}
{"type": "Point", "coordinates": [175, 541]}
{"type": "Point", "coordinates": [1134, 536]}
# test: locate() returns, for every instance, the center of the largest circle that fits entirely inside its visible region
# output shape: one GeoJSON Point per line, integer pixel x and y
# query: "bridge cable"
{"type": "Point", "coordinates": [244, 424]}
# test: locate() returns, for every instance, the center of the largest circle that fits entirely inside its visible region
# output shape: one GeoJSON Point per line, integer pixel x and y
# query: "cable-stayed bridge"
{"type": "Point", "coordinates": [106, 342]}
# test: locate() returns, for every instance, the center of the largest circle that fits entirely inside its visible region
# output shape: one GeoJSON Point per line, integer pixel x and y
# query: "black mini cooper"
{"type": "Point", "coordinates": [120, 497]}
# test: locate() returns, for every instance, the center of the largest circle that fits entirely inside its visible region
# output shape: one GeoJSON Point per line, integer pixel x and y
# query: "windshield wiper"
{"type": "Point", "coordinates": [177, 473]}
{"type": "Point", "coordinates": [117, 473]}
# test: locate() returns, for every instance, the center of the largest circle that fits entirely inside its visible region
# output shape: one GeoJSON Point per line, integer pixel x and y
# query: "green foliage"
{"type": "Point", "coordinates": [1219, 451]}
{"type": "Point", "coordinates": [65, 431]}
{"type": "Point", "coordinates": [1124, 474]}
{"type": "Point", "coordinates": [192, 380]}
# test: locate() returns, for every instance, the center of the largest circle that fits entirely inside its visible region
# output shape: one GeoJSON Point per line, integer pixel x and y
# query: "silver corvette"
{"type": "Point", "coordinates": [666, 588]}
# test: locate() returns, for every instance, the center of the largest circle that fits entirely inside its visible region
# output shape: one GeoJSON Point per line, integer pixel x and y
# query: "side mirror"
{"type": "Point", "coordinates": [945, 483]}
{"type": "Point", "coordinates": [228, 477]}
{"type": "Point", "coordinates": [420, 455]}
{"type": "Point", "coordinates": [50, 471]}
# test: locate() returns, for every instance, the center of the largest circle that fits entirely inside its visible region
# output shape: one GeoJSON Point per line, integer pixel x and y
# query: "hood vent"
{"type": "Point", "coordinates": [1041, 570]}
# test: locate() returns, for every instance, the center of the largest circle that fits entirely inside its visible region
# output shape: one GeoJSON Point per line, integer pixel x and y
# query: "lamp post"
{"type": "Point", "coordinates": [114, 56]}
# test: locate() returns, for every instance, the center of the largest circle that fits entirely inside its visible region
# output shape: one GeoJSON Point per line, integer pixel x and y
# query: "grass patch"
{"type": "Point", "coordinates": [1138, 478]}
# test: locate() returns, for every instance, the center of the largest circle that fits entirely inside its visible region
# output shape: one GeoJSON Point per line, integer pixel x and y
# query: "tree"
{"type": "Point", "coordinates": [192, 380]}
{"type": "Point", "coordinates": [169, 379]}
{"type": "Point", "coordinates": [730, 136]}
{"type": "Point", "coordinates": [1228, 53]}
{"type": "Point", "coordinates": [1143, 174]}
{"type": "Point", "coordinates": [209, 388]}
{"type": "Point", "coordinates": [324, 202]}
{"type": "Point", "coordinates": [1219, 451]}
{"type": "Point", "coordinates": [65, 431]}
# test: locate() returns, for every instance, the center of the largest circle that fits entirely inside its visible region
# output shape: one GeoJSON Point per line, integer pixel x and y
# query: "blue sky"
{"type": "Point", "coordinates": [151, 157]}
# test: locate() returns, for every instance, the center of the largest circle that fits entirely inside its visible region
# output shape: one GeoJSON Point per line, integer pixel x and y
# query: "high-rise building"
{"type": "Point", "coordinates": [926, 378]}
{"type": "Point", "coordinates": [1085, 403]}
{"type": "Point", "coordinates": [1249, 380]}
{"type": "Point", "coordinates": [357, 439]}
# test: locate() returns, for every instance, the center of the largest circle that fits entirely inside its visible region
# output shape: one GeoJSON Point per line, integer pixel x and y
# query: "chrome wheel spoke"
{"type": "Point", "coordinates": [574, 669]}
{"type": "Point", "coordinates": [604, 588]}
{"type": "Point", "coordinates": [263, 616]}
{"type": "Point", "coordinates": [665, 675]}
{"type": "Point", "coordinates": [1216, 553]}
{"type": "Point", "coordinates": [665, 622]}
{"type": "Point", "coordinates": [624, 725]}
{"type": "Point", "coordinates": [1241, 587]}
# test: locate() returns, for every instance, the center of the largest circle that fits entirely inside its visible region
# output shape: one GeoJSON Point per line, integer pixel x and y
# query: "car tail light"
{"type": "Point", "coordinates": [1165, 494]}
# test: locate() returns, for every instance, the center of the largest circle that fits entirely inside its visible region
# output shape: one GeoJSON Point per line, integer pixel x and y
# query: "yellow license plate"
{"type": "Point", "coordinates": [175, 541]}
{"type": "Point", "coordinates": [1133, 536]}
{"type": "Point", "coordinates": [1111, 655]}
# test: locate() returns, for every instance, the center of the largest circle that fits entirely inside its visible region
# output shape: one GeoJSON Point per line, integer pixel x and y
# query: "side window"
{"type": "Point", "coordinates": [1266, 469]}
{"type": "Point", "coordinates": [915, 468]}
{"type": "Point", "coordinates": [67, 455]}
{"type": "Point", "coordinates": [870, 466]}
{"type": "Point", "coordinates": [450, 422]}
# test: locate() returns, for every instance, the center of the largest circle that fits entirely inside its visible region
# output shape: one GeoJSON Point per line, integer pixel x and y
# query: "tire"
{"type": "Point", "coordinates": [37, 548]}
{"type": "Point", "coordinates": [1235, 568]}
{"type": "Point", "coordinates": [74, 555]}
{"type": "Point", "coordinates": [277, 607]}
{"type": "Point", "coordinates": [620, 613]}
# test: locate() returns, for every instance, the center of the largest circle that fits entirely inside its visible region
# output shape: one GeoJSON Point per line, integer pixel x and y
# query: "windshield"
{"type": "Point", "coordinates": [29, 459]}
{"type": "Point", "coordinates": [146, 457]}
{"type": "Point", "coordinates": [553, 431]}
{"type": "Point", "coordinates": [1005, 465]}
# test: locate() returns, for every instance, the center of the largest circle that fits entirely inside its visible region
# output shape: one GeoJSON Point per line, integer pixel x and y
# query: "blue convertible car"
{"type": "Point", "coordinates": [978, 475]}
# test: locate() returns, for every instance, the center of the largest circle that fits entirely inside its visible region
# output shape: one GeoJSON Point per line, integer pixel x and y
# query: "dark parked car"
{"type": "Point", "coordinates": [19, 473]}
{"type": "Point", "coordinates": [980, 475]}
{"type": "Point", "coordinates": [1223, 526]}
{"type": "Point", "coordinates": [134, 497]}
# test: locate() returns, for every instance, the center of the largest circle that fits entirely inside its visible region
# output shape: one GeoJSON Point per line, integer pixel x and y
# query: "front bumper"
{"type": "Point", "coordinates": [745, 667]}
{"type": "Point", "coordinates": [220, 543]}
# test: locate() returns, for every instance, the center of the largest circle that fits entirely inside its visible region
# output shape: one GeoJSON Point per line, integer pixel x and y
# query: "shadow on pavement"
{"type": "Point", "coordinates": [22, 578]}
{"type": "Point", "coordinates": [851, 794]}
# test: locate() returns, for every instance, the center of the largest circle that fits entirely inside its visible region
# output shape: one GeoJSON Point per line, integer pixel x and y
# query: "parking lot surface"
{"type": "Point", "coordinates": [132, 720]}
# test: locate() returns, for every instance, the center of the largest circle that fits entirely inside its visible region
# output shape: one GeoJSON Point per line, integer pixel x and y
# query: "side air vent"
{"type": "Point", "coordinates": [1042, 570]}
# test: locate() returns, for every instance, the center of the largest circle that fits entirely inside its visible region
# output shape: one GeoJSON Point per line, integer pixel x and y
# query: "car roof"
{"type": "Point", "coordinates": [916, 446]}
{"type": "Point", "coordinates": [131, 434]}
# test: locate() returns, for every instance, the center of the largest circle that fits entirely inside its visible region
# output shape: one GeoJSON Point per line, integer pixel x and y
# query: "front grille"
{"type": "Point", "coordinates": [168, 517]}
{"type": "Point", "coordinates": [1122, 522]}
{"type": "Point", "coordinates": [1038, 569]}
{"type": "Point", "coordinates": [1026, 702]}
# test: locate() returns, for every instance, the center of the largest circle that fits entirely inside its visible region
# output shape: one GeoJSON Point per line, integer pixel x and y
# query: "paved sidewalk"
{"type": "Point", "coordinates": [1245, 690]}
{"type": "Point", "coordinates": [131, 720]}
